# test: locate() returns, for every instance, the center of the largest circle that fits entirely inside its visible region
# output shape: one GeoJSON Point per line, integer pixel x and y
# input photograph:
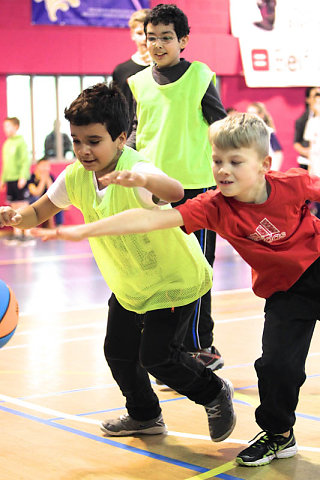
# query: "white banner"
{"type": "Point", "coordinates": [279, 41]}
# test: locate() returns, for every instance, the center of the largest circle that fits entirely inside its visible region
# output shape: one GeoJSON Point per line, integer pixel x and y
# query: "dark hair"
{"type": "Point", "coordinates": [14, 120]}
{"type": "Point", "coordinates": [308, 91]}
{"type": "Point", "coordinates": [100, 103]}
{"type": "Point", "coordinates": [42, 159]}
{"type": "Point", "coordinates": [168, 13]}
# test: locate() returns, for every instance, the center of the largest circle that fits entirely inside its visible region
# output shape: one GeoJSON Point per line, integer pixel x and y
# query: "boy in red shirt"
{"type": "Point", "coordinates": [265, 218]}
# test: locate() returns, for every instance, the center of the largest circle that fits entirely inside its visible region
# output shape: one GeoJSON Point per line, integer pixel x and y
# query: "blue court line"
{"type": "Point", "coordinates": [76, 390]}
{"type": "Point", "coordinates": [245, 388]}
{"type": "Point", "coordinates": [113, 443]}
{"type": "Point", "coordinates": [241, 402]}
{"type": "Point", "coordinates": [225, 476]}
{"type": "Point", "coordinates": [308, 417]}
{"type": "Point", "coordinates": [113, 409]}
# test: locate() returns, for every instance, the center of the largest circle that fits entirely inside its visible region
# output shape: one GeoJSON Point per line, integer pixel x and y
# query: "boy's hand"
{"type": "Point", "coordinates": [9, 217]}
{"type": "Point", "coordinates": [126, 178]}
{"type": "Point", "coordinates": [61, 233]}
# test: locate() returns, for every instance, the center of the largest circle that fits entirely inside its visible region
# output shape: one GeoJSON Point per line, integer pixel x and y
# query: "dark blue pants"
{"type": "Point", "coordinates": [137, 344]}
{"type": "Point", "coordinates": [199, 333]}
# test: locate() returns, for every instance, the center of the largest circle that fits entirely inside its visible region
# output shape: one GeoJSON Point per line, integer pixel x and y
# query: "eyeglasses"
{"type": "Point", "coordinates": [163, 40]}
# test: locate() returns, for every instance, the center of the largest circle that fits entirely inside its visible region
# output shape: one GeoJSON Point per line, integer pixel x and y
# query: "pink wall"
{"type": "Point", "coordinates": [284, 105]}
{"type": "Point", "coordinates": [32, 49]}
{"type": "Point", "coordinates": [53, 49]}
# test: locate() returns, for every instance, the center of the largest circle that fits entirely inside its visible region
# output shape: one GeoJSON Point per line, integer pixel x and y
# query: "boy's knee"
{"type": "Point", "coordinates": [113, 352]}
{"type": "Point", "coordinates": [276, 368]}
{"type": "Point", "coordinates": [152, 358]}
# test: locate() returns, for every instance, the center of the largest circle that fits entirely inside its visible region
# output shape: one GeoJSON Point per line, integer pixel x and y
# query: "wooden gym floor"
{"type": "Point", "coordinates": [55, 386]}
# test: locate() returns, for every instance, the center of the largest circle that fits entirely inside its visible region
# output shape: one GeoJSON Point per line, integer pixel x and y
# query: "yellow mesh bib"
{"type": "Point", "coordinates": [150, 271]}
{"type": "Point", "coordinates": [172, 131]}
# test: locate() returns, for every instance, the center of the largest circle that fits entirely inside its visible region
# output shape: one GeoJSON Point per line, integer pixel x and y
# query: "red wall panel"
{"type": "Point", "coordinates": [284, 105]}
{"type": "Point", "coordinates": [46, 49]}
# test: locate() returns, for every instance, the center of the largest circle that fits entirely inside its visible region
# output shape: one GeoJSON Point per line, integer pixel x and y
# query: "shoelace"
{"type": "Point", "coordinates": [268, 439]}
{"type": "Point", "coordinates": [259, 433]}
{"type": "Point", "coordinates": [213, 412]}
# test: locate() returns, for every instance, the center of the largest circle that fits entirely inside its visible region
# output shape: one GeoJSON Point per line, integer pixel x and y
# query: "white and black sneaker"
{"type": "Point", "coordinates": [126, 425]}
{"type": "Point", "coordinates": [210, 357]}
{"type": "Point", "coordinates": [268, 447]}
{"type": "Point", "coordinates": [221, 416]}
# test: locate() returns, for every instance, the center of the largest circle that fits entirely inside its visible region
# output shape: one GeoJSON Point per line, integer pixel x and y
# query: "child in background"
{"type": "Point", "coordinates": [264, 216]}
{"type": "Point", "coordinates": [275, 147]}
{"type": "Point", "coordinates": [175, 102]}
{"type": "Point", "coordinates": [312, 135]}
{"type": "Point", "coordinates": [38, 185]}
{"type": "Point", "coordinates": [300, 144]}
{"type": "Point", "coordinates": [156, 278]}
{"type": "Point", "coordinates": [15, 171]}
{"type": "Point", "coordinates": [138, 61]}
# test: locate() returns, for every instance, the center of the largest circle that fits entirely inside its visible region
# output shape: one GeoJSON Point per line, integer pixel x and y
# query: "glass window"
{"type": "Point", "coordinates": [19, 105]}
{"type": "Point", "coordinates": [68, 88]}
{"type": "Point", "coordinates": [89, 81]}
{"type": "Point", "coordinates": [44, 111]}
{"type": "Point", "coordinates": [39, 101]}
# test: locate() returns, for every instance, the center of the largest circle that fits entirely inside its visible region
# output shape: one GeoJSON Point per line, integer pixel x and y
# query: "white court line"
{"type": "Point", "coordinates": [47, 411]}
{"type": "Point", "coordinates": [60, 329]}
{"type": "Point", "coordinates": [94, 337]}
{"type": "Point", "coordinates": [97, 306]}
{"type": "Point", "coordinates": [75, 390]}
{"type": "Point", "coordinates": [231, 440]}
{"type": "Point", "coordinates": [228, 292]}
{"type": "Point", "coordinates": [67, 340]}
{"type": "Point", "coordinates": [240, 319]}
{"type": "Point", "coordinates": [103, 324]}
{"type": "Point", "coordinates": [91, 306]}
{"type": "Point", "coordinates": [56, 413]}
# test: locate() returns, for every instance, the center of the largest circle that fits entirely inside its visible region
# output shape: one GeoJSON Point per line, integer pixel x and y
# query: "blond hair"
{"type": "Point", "coordinates": [138, 17]}
{"type": "Point", "coordinates": [240, 130]}
{"type": "Point", "coordinates": [14, 120]}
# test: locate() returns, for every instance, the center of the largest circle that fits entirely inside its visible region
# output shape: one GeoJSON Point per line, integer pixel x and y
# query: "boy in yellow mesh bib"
{"type": "Point", "coordinates": [156, 277]}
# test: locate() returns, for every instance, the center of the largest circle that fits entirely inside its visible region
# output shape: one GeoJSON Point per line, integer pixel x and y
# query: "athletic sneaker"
{"type": "Point", "coordinates": [126, 425]}
{"type": "Point", "coordinates": [266, 448]}
{"type": "Point", "coordinates": [12, 240]}
{"type": "Point", "coordinates": [210, 357]}
{"type": "Point", "coordinates": [221, 416]}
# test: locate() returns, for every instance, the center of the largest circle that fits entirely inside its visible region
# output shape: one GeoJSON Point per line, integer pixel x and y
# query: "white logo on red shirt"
{"type": "Point", "coordinates": [267, 232]}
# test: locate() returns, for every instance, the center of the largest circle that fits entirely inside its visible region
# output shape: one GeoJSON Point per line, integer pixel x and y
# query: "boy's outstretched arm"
{"type": "Point", "coordinates": [160, 185]}
{"type": "Point", "coordinates": [137, 220]}
{"type": "Point", "coordinates": [29, 216]}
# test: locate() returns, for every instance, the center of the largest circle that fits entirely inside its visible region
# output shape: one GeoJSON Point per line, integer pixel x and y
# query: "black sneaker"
{"type": "Point", "coordinates": [210, 357]}
{"type": "Point", "coordinates": [221, 416]}
{"type": "Point", "coordinates": [266, 448]}
{"type": "Point", "coordinates": [126, 425]}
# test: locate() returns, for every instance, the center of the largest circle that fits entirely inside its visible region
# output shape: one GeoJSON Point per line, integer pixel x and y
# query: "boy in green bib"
{"type": "Point", "coordinates": [176, 101]}
{"type": "Point", "coordinates": [156, 277]}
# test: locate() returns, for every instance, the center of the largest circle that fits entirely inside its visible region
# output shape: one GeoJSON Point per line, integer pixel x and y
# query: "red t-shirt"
{"type": "Point", "coordinates": [279, 238]}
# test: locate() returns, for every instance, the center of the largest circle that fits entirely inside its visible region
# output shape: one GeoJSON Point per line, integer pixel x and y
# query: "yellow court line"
{"type": "Point", "coordinates": [216, 471]}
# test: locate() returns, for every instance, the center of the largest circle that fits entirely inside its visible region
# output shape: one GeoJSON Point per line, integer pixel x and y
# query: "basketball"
{"type": "Point", "coordinates": [9, 313]}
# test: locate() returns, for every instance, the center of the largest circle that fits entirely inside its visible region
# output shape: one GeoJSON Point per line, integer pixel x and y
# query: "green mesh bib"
{"type": "Point", "coordinates": [146, 271]}
{"type": "Point", "coordinates": [172, 131]}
